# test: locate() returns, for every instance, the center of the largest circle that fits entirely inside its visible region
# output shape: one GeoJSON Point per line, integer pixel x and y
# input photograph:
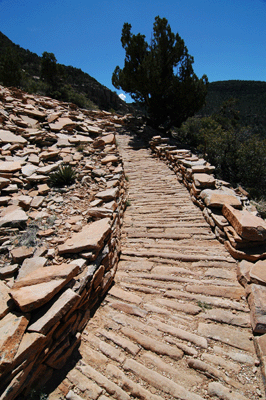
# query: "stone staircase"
{"type": "Point", "coordinates": [176, 324]}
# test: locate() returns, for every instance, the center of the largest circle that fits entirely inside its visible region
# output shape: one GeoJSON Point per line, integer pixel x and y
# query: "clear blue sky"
{"type": "Point", "coordinates": [227, 38]}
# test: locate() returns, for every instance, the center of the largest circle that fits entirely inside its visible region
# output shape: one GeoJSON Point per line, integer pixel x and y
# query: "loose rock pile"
{"type": "Point", "coordinates": [59, 246]}
{"type": "Point", "coordinates": [234, 223]}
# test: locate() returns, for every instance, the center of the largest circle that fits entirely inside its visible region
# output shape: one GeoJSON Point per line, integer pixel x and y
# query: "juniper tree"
{"type": "Point", "coordinates": [160, 75]}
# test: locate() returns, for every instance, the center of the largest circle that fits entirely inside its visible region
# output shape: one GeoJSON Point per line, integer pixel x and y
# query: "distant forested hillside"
{"type": "Point", "coordinates": [251, 102]}
{"type": "Point", "coordinates": [73, 85]}
{"type": "Point", "coordinates": [76, 86]}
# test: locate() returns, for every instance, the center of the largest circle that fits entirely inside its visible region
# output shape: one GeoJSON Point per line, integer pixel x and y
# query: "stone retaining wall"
{"type": "Point", "coordinates": [59, 247]}
{"type": "Point", "coordinates": [43, 330]}
{"type": "Point", "coordinates": [52, 334]}
{"type": "Point", "coordinates": [234, 222]}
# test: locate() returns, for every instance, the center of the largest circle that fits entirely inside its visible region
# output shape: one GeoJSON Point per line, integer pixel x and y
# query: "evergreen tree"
{"type": "Point", "coordinates": [49, 69]}
{"type": "Point", "coordinates": [160, 75]}
{"type": "Point", "coordinates": [10, 69]}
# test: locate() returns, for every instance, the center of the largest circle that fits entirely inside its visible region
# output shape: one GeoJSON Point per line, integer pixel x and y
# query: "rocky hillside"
{"type": "Point", "coordinates": [250, 102]}
{"type": "Point", "coordinates": [59, 240]}
{"type": "Point", "coordinates": [74, 84]}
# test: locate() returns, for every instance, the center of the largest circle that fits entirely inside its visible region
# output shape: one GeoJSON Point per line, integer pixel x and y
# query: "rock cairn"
{"type": "Point", "coordinates": [234, 222]}
{"type": "Point", "coordinates": [59, 246]}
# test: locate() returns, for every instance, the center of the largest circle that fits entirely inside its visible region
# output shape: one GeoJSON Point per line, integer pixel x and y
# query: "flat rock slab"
{"type": "Point", "coordinates": [217, 198]}
{"type": "Point", "coordinates": [104, 140]}
{"type": "Point", "coordinates": [252, 254]}
{"type": "Point", "coordinates": [29, 265]}
{"type": "Point", "coordinates": [9, 137]}
{"type": "Point", "coordinates": [257, 272]}
{"type": "Point", "coordinates": [257, 304]}
{"type": "Point", "coordinates": [109, 159]}
{"type": "Point", "coordinates": [12, 216]}
{"type": "Point", "coordinates": [220, 291]}
{"type": "Point", "coordinates": [4, 182]}
{"type": "Point", "coordinates": [10, 166]}
{"type": "Point", "coordinates": [227, 317]}
{"type": "Point", "coordinates": [20, 253]}
{"type": "Point", "coordinates": [5, 299]}
{"type": "Point", "coordinates": [231, 336]}
{"type": "Point", "coordinates": [222, 392]}
{"type": "Point", "coordinates": [108, 195]}
{"type": "Point", "coordinates": [203, 180]}
{"type": "Point", "coordinates": [160, 382]}
{"type": "Point", "coordinates": [153, 345]}
{"type": "Point", "coordinates": [8, 270]}
{"type": "Point", "coordinates": [40, 286]}
{"type": "Point", "coordinates": [46, 319]}
{"type": "Point", "coordinates": [12, 328]}
{"type": "Point", "coordinates": [30, 345]}
{"type": "Point", "coordinates": [28, 169]}
{"type": "Point", "coordinates": [75, 139]}
{"type": "Point", "coordinates": [260, 343]}
{"type": "Point", "coordinates": [89, 238]}
{"type": "Point", "coordinates": [33, 112]}
{"type": "Point", "coordinates": [247, 225]}
{"type": "Point", "coordinates": [61, 123]}
{"type": "Point", "coordinates": [125, 295]}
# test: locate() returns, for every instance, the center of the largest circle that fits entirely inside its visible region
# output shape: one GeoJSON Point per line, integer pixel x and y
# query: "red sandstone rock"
{"type": "Point", "coordinates": [9, 137]}
{"type": "Point", "coordinates": [104, 140]}
{"type": "Point", "coordinates": [40, 286]}
{"type": "Point", "coordinates": [257, 304]}
{"type": "Point", "coordinates": [5, 300]}
{"type": "Point", "coordinates": [20, 253]}
{"type": "Point", "coordinates": [217, 198]}
{"type": "Point", "coordinates": [45, 320]}
{"type": "Point", "coordinates": [13, 215]}
{"type": "Point", "coordinates": [9, 166]}
{"type": "Point", "coordinates": [252, 254]}
{"type": "Point", "coordinates": [257, 272]}
{"type": "Point", "coordinates": [247, 225]}
{"type": "Point", "coordinates": [243, 269]}
{"type": "Point", "coordinates": [204, 180]}
{"type": "Point", "coordinates": [90, 238]}
{"type": "Point", "coordinates": [12, 328]}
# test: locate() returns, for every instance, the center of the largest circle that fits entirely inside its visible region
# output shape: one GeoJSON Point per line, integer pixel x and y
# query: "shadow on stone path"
{"type": "Point", "coordinates": [175, 325]}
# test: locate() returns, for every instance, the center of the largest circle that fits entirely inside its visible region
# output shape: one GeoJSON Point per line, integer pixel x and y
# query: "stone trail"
{"type": "Point", "coordinates": [176, 324]}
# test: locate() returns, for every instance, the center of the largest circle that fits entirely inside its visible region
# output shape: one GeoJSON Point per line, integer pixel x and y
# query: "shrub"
{"type": "Point", "coordinates": [64, 176]}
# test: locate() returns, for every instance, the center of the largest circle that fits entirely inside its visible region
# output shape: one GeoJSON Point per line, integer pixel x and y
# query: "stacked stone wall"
{"type": "Point", "coordinates": [59, 247]}
{"type": "Point", "coordinates": [235, 223]}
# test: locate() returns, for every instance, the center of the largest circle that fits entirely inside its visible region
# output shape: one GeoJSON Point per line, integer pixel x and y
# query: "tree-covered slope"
{"type": "Point", "coordinates": [251, 102]}
{"type": "Point", "coordinates": [74, 85]}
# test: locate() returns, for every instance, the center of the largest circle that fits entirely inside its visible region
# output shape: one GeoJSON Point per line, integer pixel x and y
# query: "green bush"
{"type": "Point", "coordinates": [64, 176]}
{"type": "Point", "coordinates": [237, 153]}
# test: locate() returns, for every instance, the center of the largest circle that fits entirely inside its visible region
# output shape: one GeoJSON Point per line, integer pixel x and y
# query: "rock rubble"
{"type": "Point", "coordinates": [59, 246]}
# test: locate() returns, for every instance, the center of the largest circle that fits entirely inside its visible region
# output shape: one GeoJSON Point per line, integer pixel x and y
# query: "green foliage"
{"type": "Point", "coordinates": [38, 394]}
{"type": "Point", "coordinates": [160, 76]}
{"type": "Point", "coordinates": [251, 159]}
{"type": "Point", "coordinates": [49, 70]}
{"type": "Point", "coordinates": [205, 306]}
{"type": "Point", "coordinates": [237, 153]}
{"type": "Point", "coordinates": [128, 203]}
{"type": "Point", "coordinates": [261, 207]}
{"type": "Point", "coordinates": [250, 106]}
{"type": "Point", "coordinates": [80, 148]}
{"type": "Point", "coordinates": [10, 68]}
{"type": "Point", "coordinates": [43, 75]}
{"type": "Point", "coordinates": [64, 176]}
